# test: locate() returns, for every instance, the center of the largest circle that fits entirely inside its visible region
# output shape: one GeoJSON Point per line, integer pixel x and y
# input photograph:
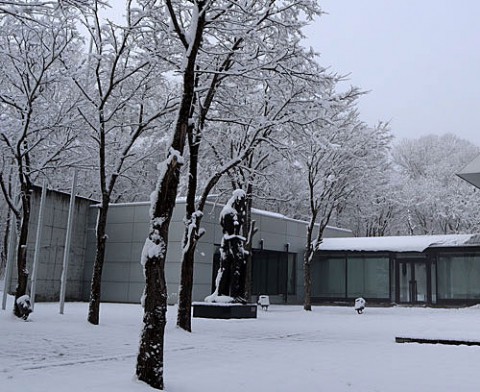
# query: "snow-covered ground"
{"type": "Point", "coordinates": [285, 349]}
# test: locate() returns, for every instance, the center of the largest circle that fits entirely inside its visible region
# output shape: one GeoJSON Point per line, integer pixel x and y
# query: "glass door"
{"type": "Point", "coordinates": [412, 282]}
{"type": "Point", "coordinates": [420, 276]}
{"type": "Point", "coordinates": [405, 282]}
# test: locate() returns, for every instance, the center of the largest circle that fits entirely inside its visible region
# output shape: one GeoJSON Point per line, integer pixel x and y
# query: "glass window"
{"type": "Point", "coordinates": [273, 273]}
{"type": "Point", "coordinates": [368, 277]}
{"type": "Point", "coordinates": [292, 276]}
{"type": "Point", "coordinates": [458, 276]}
{"type": "Point", "coordinates": [328, 278]}
{"type": "Point", "coordinates": [392, 279]}
{"type": "Point", "coordinates": [434, 283]}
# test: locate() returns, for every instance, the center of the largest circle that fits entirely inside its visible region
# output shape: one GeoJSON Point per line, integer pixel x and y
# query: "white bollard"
{"type": "Point", "coordinates": [264, 301]}
{"type": "Point", "coordinates": [360, 305]}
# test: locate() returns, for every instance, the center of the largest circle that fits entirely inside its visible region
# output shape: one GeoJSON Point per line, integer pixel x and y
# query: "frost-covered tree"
{"type": "Point", "coordinates": [119, 83]}
{"type": "Point", "coordinates": [372, 207]}
{"type": "Point", "coordinates": [188, 23]}
{"type": "Point", "coordinates": [431, 198]}
{"type": "Point", "coordinates": [38, 112]}
{"type": "Point", "coordinates": [5, 213]}
{"type": "Point", "coordinates": [338, 153]}
{"type": "Point", "coordinates": [249, 109]}
{"type": "Point", "coordinates": [283, 107]}
{"type": "Point", "coordinates": [203, 30]}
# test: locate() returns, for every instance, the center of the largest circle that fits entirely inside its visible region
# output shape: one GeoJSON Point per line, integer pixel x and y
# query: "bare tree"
{"type": "Point", "coordinates": [264, 102]}
{"type": "Point", "coordinates": [150, 357]}
{"type": "Point", "coordinates": [5, 214]}
{"type": "Point", "coordinates": [372, 208]}
{"type": "Point", "coordinates": [430, 197]}
{"type": "Point", "coordinates": [118, 83]}
{"type": "Point", "coordinates": [338, 155]}
{"type": "Point", "coordinates": [37, 113]}
{"type": "Point", "coordinates": [256, 48]}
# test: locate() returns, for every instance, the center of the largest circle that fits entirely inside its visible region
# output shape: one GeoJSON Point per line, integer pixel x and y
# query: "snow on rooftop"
{"type": "Point", "coordinates": [277, 215]}
{"type": "Point", "coordinates": [399, 244]}
{"type": "Point", "coordinates": [182, 200]}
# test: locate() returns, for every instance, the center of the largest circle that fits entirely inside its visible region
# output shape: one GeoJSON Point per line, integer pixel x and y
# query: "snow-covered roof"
{"type": "Point", "coordinates": [277, 215]}
{"type": "Point", "coordinates": [270, 214]}
{"type": "Point", "coordinates": [400, 243]}
{"type": "Point", "coordinates": [471, 172]}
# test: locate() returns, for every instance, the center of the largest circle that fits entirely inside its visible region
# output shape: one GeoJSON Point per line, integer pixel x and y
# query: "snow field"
{"type": "Point", "coordinates": [284, 349]}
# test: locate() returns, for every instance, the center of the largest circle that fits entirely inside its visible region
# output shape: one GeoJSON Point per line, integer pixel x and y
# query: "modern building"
{"type": "Point", "coordinates": [429, 270]}
{"type": "Point", "coordinates": [277, 254]}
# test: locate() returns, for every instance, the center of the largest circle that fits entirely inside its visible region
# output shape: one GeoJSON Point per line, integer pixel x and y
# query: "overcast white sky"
{"type": "Point", "coordinates": [419, 58]}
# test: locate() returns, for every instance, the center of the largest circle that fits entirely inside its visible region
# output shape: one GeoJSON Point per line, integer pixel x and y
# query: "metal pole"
{"type": "Point", "coordinates": [38, 244]}
{"type": "Point", "coordinates": [12, 239]}
{"type": "Point", "coordinates": [66, 254]}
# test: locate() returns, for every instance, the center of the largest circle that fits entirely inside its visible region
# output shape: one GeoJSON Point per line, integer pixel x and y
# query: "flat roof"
{"type": "Point", "coordinates": [182, 200]}
{"type": "Point", "coordinates": [416, 243]}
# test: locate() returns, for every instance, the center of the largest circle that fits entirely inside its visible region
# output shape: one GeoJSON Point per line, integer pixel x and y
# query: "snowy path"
{"type": "Point", "coordinates": [286, 349]}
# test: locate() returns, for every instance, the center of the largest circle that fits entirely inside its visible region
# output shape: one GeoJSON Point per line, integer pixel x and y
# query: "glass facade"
{"type": "Point", "coordinates": [368, 277]}
{"type": "Point", "coordinates": [273, 273]}
{"type": "Point", "coordinates": [329, 278]}
{"type": "Point", "coordinates": [433, 277]}
{"type": "Point", "coordinates": [437, 276]}
{"type": "Point", "coordinates": [351, 277]}
{"type": "Point", "coordinates": [458, 276]}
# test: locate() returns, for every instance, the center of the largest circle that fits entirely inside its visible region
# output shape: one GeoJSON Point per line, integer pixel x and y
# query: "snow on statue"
{"type": "Point", "coordinates": [230, 281]}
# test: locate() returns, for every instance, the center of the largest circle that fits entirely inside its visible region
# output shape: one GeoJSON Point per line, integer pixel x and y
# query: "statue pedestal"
{"type": "Point", "coordinates": [224, 311]}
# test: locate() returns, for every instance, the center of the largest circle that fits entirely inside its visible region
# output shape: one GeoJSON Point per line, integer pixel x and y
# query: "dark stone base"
{"type": "Point", "coordinates": [436, 341]}
{"type": "Point", "coordinates": [224, 311]}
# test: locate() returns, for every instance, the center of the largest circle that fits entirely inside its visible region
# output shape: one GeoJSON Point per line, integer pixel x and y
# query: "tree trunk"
{"type": "Point", "coordinates": [150, 356]}
{"type": "Point", "coordinates": [307, 304]}
{"type": "Point", "coordinates": [248, 232]}
{"type": "Point", "coordinates": [184, 318]}
{"type": "Point", "coordinates": [307, 262]}
{"type": "Point", "coordinates": [22, 270]}
{"type": "Point", "coordinates": [96, 285]}
{"type": "Point", "coordinates": [5, 240]}
{"type": "Point", "coordinates": [248, 270]}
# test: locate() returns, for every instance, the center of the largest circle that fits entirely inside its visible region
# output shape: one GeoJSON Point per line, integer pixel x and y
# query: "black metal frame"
{"type": "Point", "coordinates": [410, 264]}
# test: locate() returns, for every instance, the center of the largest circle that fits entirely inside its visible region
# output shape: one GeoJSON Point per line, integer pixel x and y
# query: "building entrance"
{"type": "Point", "coordinates": [412, 282]}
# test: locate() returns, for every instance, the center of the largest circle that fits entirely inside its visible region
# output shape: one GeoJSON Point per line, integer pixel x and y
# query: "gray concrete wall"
{"type": "Point", "coordinates": [52, 247]}
{"type": "Point", "coordinates": [127, 229]}
{"type": "Point", "coordinates": [128, 226]}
